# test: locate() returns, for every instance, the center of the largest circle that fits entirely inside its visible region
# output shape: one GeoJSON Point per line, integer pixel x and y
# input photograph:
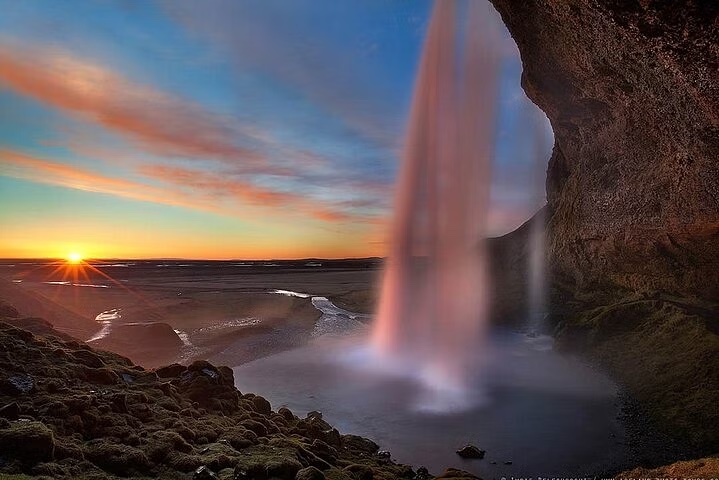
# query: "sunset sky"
{"type": "Point", "coordinates": [252, 129]}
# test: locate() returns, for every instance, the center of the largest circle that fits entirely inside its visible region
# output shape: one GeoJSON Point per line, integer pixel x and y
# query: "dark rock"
{"type": "Point", "coordinates": [360, 444]}
{"type": "Point", "coordinates": [263, 462]}
{"type": "Point", "coordinates": [171, 371]}
{"type": "Point", "coordinates": [262, 405]}
{"type": "Point", "coordinates": [458, 474]}
{"type": "Point", "coordinates": [255, 426]}
{"type": "Point", "coordinates": [360, 472]}
{"type": "Point", "coordinates": [87, 358]}
{"type": "Point", "coordinates": [204, 473]}
{"type": "Point", "coordinates": [228, 376]}
{"type": "Point", "coordinates": [508, 462]}
{"type": "Point", "coordinates": [18, 384]}
{"type": "Point", "coordinates": [11, 411]}
{"type": "Point", "coordinates": [324, 451]}
{"type": "Point", "coordinates": [242, 475]}
{"type": "Point", "coordinates": [101, 376]}
{"type": "Point", "coordinates": [470, 451]}
{"type": "Point", "coordinates": [199, 365]}
{"type": "Point", "coordinates": [29, 442]}
{"type": "Point", "coordinates": [422, 474]}
{"type": "Point", "coordinates": [333, 438]}
{"type": "Point", "coordinates": [310, 473]}
{"type": "Point", "coordinates": [286, 414]}
{"type": "Point", "coordinates": [116, 458]}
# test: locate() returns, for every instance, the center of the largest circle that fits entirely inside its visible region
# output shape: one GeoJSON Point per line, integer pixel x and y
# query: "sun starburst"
{"type": "Point", "coordinates": [74, 258]}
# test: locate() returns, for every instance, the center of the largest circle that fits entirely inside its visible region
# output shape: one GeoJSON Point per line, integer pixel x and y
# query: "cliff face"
{"type": "Point", "coordinates": [631, 90]}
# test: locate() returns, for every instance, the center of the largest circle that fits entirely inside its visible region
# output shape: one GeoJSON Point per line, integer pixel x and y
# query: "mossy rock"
{"type": "Point", "coordinates": [310, 473]}
{"type": "Point", "coordinates": [360, 472]}
{"type": "Point", "coordinates": [457, 474]}
{"type": "Point", "coordinates": [337, 474]}
{"type": "Point", "coordinates": [29, 442]}
{"type": "Point", "coordinates": [116, 458]}
{"type": "Point", "coordinates": [262, 462]}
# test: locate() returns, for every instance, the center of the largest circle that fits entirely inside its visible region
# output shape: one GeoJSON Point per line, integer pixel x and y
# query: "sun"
{"type": "Point", "coordinates": [74, 258]}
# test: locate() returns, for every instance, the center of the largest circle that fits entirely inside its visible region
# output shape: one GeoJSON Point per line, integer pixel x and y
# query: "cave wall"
{"type": "Point", "coordinates": [632, 92]}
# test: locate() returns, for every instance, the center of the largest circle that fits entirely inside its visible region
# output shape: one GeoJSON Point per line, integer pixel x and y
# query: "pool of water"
{"type": "Point", "coordinates": [546, 413]}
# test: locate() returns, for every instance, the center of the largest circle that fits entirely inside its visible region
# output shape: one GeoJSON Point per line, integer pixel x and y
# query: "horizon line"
{"type": "Point", "coordinates": [186, 259]}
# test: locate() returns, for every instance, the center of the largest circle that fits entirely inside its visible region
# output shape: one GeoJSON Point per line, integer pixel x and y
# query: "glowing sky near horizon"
{"type": "Point", "coordinates": [220, 129]}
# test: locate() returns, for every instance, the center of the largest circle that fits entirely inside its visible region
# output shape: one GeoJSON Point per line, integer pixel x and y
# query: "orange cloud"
{"type": "Point", "coordinates": [163, 123]}
{"type": "Point", "coordinates": [219, 186]}
{"type": "Point", "coordinates": [186, 188]}
{"type": "Point", "coordinates": [19, 165]}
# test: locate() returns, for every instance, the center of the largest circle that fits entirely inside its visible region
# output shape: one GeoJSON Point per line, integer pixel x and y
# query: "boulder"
{"type": "Point", "coordinates": [17, 384]}
{"type": "Point", "coordinates": [262, 462]}
{"type": "Point", "coordinates": [262, 405]}
{"type": "Point", "coordinates": [470, 451]}
{"type": "Point", "coordinates": [204, 473]}
{"type": "Point", "coordinates": [359, 472]}
{"type": "Point", "coordinates": [360, 444]}
{"type": "Point", "coordinates": [310, 473]}
{"type": "Point", "coordinates": [29, 442]}
{"type": "Point", "coordinates": [171, 371]}
{"type": "Point", "coordinates": [458, 474]}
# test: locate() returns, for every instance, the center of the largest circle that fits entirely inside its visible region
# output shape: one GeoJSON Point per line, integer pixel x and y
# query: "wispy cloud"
{"type": "Point", "coordinates": [160, 122]}
{"type": "Point", "coordinates": [182, 187]}
{"type": "Point", "coordinates": [158, 127]}
{"type": "Point", "coordinates": [223, 188]}
{"type": "Point", "coordinates": [27, 167]}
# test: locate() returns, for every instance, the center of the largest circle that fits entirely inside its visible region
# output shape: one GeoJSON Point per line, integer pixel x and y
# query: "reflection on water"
{"type": "Point", "coordinates": [237, 322]}
{"type": "Point", "coordinates": [70, 284]}
{"type": "Point", "coordinates": [105, 318]}
{"type": "Point", "coordinates": [290, 293]}
{"type": "Point", "coordinates": [184, 337]}
{"type": "Point", "coordinates": [335, 320]}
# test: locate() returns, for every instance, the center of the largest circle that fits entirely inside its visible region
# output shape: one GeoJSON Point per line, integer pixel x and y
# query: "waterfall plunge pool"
{"type": "Point", "coordinates": [546, 413]}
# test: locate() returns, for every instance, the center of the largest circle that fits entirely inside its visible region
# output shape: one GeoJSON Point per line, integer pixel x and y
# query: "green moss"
{"type": "Point", "coordinates": [264, 461]}
{"type": "Point", "coordinates": [116, 458]}
{"type": "Point", "coordinates": [666, 354]}
{"type": "Point", "coordinates": [29, 442]}
{"type": "Point", "coordinates": [156, 427]}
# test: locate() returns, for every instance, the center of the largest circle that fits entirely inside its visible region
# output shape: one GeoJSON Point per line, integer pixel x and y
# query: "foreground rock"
{"type": "Point", "coordinates": [94, 414]}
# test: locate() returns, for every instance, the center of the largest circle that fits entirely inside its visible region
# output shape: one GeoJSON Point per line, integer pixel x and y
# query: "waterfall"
{"type": "Point", "coordinates": [538, 150]}
{"type": "Point", "coordinates": [433, 309]}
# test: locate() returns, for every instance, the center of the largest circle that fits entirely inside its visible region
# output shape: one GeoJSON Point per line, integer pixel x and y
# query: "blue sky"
{"type": "Point", "coordinates": [253, 129]}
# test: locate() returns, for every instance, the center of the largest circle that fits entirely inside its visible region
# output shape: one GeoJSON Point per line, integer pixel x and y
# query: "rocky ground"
{"type": "Point", "coordinates": [69, 411]}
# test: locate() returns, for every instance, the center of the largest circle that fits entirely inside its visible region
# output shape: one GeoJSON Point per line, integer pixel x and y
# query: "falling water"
{"type": "Point", "coordinates": [433, 308]}
{"type": "Point", "coordinates": [536, 259]}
